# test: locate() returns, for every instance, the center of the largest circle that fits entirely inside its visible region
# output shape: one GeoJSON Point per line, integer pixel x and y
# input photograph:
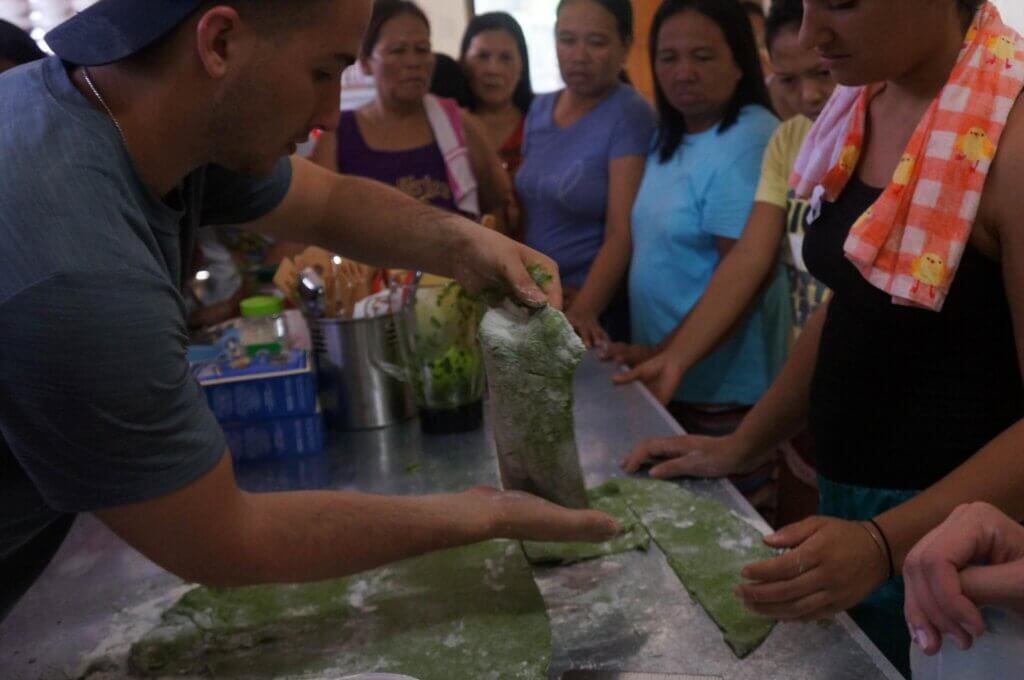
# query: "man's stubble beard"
{"type": "Point", "coordinates": [233, 134]}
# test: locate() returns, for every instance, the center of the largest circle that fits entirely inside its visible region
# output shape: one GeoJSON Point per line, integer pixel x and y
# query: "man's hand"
{"type": "Point", "coordinates": [946, 584]}
{"type": "Point", "coordinates": [376, 224]}
{"type": "Point", "coordinates": [486, 261]}
{"type": "Point", "coordinates": [213, 533]}
{"type": "Point", "coordinates": [518, 515]}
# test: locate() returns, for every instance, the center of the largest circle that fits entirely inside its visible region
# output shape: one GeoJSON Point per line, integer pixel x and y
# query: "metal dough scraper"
{"type": "Point", "coordinates": [623, 675]}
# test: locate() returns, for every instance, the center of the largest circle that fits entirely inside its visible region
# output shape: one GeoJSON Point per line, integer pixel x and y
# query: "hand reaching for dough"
{"type": "Point", "coordinates": [630, 355]}
{"type": "Point", "coordinates": [521, 516]}
{"type": "Point", "coordinates": [658, 373]}
{"type": "Point", "coordinates": [831, 565]}
{"type": "Point", "coordinates": [692, 456]}
{"type": "Point", "coordinates": [945, 583]}
{"type": "Point", "coordinates": [588, 328]}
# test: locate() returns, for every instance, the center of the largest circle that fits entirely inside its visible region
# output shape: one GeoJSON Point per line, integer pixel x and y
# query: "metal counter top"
{"type": "Point", "coordinates": [627, 612]}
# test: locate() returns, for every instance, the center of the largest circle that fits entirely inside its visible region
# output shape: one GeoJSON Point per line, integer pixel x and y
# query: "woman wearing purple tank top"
{"type": "Point", "coordinates": [391, 139]}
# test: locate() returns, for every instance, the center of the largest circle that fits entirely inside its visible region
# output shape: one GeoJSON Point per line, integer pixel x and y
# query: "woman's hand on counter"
{"type": "Point", "coordinates": [691, 456]}
{"type": "Point", "coordinates": [628, 355]}
{"type": "Point", "coordinates": [830, 565]}
{"type": "Point", "coordinates": [486, 261]}
{"type": "Point", "coordinates": [946, 584]}
{"type": "Point", "coordinates": [522, 516]}
{"type": "Point", "coordinates": [587, 327]}
{"type": "Point", "coordinates": [660, 374]}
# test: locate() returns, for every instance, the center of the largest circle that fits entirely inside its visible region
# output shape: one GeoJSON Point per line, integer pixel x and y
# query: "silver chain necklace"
{"type": "Point", "coordinates": [99, 97]}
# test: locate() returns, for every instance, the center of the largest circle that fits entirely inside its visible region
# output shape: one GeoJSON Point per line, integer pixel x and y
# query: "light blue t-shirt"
{"type": "Point", "coordinates": [706, 190]}
{"type": "Point", "coordinates": [563, 182]}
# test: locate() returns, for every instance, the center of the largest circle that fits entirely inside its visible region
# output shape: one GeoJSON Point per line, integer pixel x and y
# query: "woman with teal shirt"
{"type": "Point", "coordinates": [698, 189]}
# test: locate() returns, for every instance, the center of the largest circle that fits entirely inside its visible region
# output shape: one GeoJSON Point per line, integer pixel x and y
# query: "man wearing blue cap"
{"type": "Point", "coordinates": [153, 118]}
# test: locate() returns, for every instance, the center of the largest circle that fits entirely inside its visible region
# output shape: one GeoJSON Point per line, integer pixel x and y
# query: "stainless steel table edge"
{"type": "Point", "coordinates": [859, 636]}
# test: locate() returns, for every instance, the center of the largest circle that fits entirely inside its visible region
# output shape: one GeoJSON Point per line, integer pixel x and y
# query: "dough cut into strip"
{"type": "Point", "coordinates": [707, 545]}
{"type": "Point", "coordinates": [530, 358]}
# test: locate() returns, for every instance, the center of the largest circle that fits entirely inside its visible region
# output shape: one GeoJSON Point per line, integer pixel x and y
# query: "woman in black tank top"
{"type": "Point", "coordinates": [914, 412]}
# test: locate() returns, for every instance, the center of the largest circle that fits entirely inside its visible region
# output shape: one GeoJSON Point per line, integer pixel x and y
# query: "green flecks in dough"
{"type": "Point", "coordinates": [540, 276]}
{"type": "Point", "coordinates": [706, 545]}
{"type": "Point", "coordinates": [606, 499]}
{"type": "Point", "coordinates": [471, 612]}
{"type": "Point", "coordinates": [530, 361]}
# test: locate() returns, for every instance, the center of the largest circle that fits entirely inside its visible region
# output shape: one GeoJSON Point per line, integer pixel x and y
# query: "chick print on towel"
{"type": "Point", "coordinates": [929, 269]}
{"type": "Point", "coordinates": [849, 158]}
{"type": "Point", "coordinates": [972, 34]}
{"type": "Point", "coordinates": [838, 176]}
{"type": "Point", "coordinates": [1001, 49]}
{"type": "Point", "coordinates": [975, 146]}
{"type": "Point", "coordinates": [911, 242]}
{"type": "Point", "coordinates": [868, 215]}
{"type": "Point", "coordinates": [904, 172]}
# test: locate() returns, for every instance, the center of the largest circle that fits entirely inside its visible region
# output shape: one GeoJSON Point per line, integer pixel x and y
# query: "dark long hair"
{"type": "Point", "coordinates": [383, 12]}
{"type": "Point", "coordinates": [450, 81]}
{"type": "Point", "coordinates": [729, 16]}
{"type": "Point", "coordinates": [784, 15]}
{"type": "Point", "coordinates": [502, 21]}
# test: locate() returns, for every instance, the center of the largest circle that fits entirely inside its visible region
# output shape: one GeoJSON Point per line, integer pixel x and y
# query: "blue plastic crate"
{"type": "Point", "coordinates": [275, 438]}
{"type": "Point", "coordinates": [250, 389]}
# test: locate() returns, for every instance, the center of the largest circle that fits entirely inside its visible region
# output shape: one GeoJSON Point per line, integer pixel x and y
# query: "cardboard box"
{"type": "Point", "coordinates": [256, 388]}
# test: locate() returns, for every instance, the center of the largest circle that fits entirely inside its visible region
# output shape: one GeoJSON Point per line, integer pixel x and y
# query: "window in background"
{"type": "Point", "coordinates": [537, 18]}
{"type": "Point", "coordinates": [39, 16]}
{"type": "Point", "coordinates": [1013, 12]}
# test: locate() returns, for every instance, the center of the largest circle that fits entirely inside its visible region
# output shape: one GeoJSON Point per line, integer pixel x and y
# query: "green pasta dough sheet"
{"type": "Point", "coordinates": [606, 499]}
{"type": "Point", "coordinates": [471, 612]}
{"type": "Point", "coordinates": [706, 545]}
{"type": "Point", "coordinates": [463, 613]}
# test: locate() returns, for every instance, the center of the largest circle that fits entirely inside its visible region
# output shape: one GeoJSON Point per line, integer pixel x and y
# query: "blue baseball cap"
{"type": "Point", "coordinates": [112, 30]}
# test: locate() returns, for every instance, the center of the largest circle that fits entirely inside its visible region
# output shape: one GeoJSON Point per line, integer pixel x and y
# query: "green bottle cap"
{"type": "Point", "coordinates": [261, 305]}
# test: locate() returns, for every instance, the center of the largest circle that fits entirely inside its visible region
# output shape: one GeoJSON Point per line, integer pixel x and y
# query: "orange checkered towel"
{"type": "Point", "coordinates": [910, 242]}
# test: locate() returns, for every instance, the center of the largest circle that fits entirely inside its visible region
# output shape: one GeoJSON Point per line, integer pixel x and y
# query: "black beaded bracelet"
{"type": "Point", "coordinates": [888, 549]}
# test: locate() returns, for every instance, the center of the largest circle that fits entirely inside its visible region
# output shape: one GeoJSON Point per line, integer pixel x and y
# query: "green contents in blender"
{"type": "Point", "coordinates": [448, 369]}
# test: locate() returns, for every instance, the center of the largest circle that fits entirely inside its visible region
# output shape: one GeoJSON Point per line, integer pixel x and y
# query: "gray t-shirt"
{"type": "Point", "coordinates": [98, 407]}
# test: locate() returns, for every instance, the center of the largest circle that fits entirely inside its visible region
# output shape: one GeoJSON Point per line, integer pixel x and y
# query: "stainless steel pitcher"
{"type": "Point", "coordinates": [356, 393]}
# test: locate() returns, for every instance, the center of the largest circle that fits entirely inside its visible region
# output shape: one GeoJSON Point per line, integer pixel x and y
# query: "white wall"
{"type": "Point", "coordinates": [1013, 12]}
{"type": "Point", "coordinates": [537, 17]}
{"type": "Point", "coordinates": [448, 19]}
